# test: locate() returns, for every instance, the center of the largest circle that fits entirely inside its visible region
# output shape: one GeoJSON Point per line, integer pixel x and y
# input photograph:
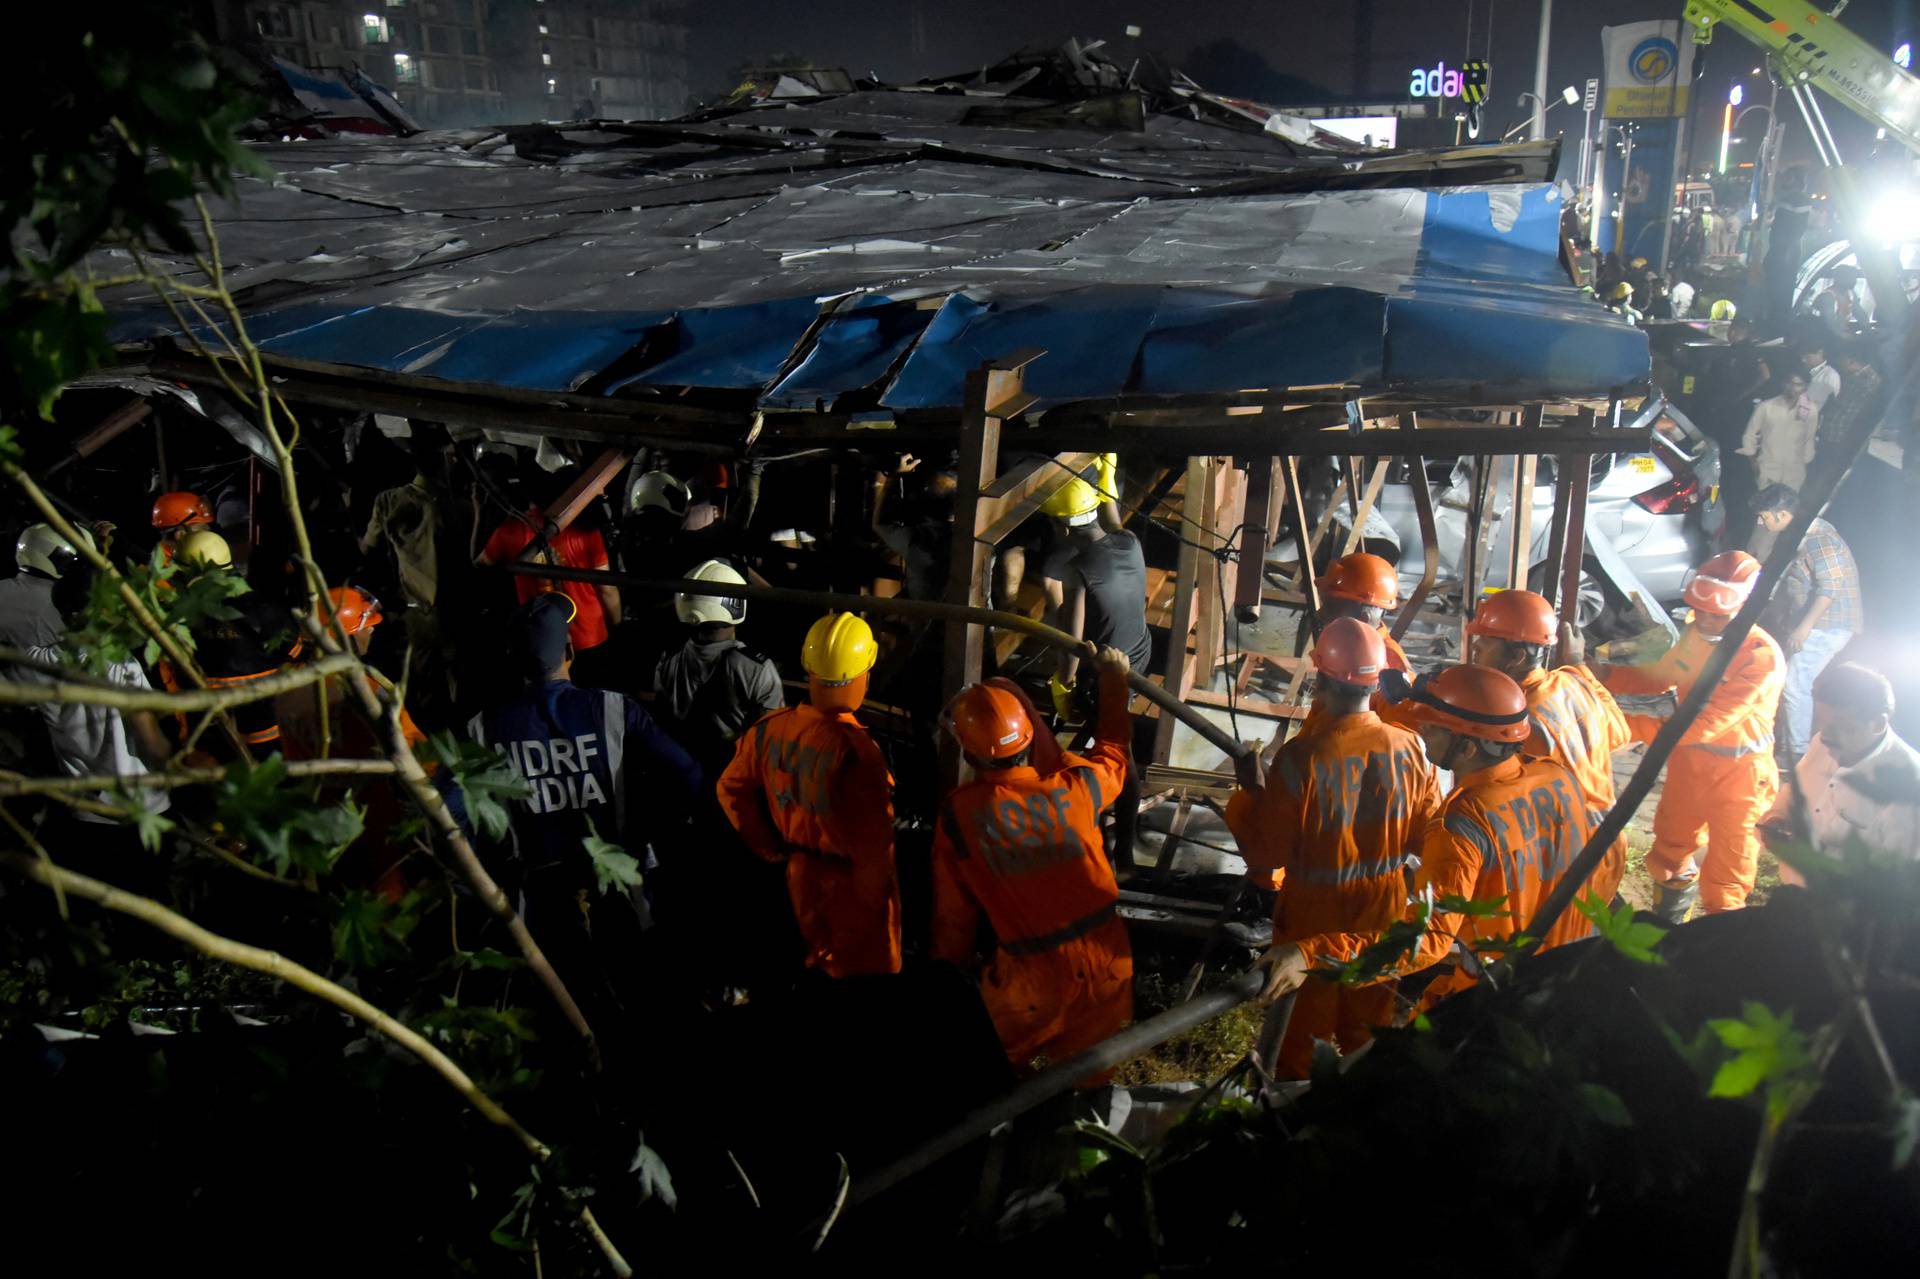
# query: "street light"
{"type": "Point", "coordinates": [1568, 95]}
{"type": "Point", "coordinates": [1726, 123]}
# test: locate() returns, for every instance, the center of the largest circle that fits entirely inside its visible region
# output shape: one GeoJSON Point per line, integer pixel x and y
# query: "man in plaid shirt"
{"type": "Point", "coordinates": [1819, 599]}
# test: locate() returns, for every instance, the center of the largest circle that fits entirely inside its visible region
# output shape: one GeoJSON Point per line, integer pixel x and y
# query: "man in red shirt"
{"type": "Point", "coordinates": [596, 608]}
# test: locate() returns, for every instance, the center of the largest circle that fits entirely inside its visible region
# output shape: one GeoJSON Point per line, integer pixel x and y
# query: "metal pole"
{"type": "Point", "coordinates": [1055, 1080]}
{"type": "Point", "coordinates": [1540, 72]}
{"type": "Point", "coordinates": [1429, 544]}
{"type": "Point", "coordinates": [1586, 147]}
{"type": "Point", "coordinates": [930, 610]}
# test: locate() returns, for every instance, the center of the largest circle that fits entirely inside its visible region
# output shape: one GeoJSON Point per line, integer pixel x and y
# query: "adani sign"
{"type": "Point", "coordinates": [1468, 83]}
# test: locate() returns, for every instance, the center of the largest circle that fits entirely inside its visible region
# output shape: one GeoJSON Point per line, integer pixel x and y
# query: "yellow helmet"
{"type": "Point", "coordinates": [839, 649]}
{"type": "Point", "coordinates": [1620, 292]}
{"type": "Point", "coordinates": [1724, 310]}
{"type": "Point", "coordinates": [1078, 500]}
{"type": "Point", "coordinates": [206, 549]}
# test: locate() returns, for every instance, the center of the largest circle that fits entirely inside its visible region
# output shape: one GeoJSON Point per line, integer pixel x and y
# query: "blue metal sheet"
{"type": "Point", "coordinates": [1462, 236]}
{"type": "Point", "coordinates": [1450, 341]}
{"type": "Point", "coordinates": [1211, 344]}
{"type": "Point", "coordinates": [1090, 336]}
{"type": "Point", "coordinates": [854, 348]}
{"type": "Point", "coordinates": [730, 347]}
{"type": "Point", "coordinates": [544, 350]}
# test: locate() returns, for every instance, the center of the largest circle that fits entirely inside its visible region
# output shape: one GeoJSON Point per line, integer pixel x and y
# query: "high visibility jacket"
{"type": "Point", "coordinates": [1023, 850]}
{"type": "Point", "coordinates": [1577, 724]}
{"type": "Point", "coordinates": [1343, 812]}
{"type": "Point", "coordinates": [1509, 831]}
{"type": "Point", "coordinates": [811, 789]}
{"type": "Point", "coordinates": [1737, 720]}
{"type": "Point", "coordinates": [232, 652]}
{"type": "Point", "coordinates": [1387, 711]}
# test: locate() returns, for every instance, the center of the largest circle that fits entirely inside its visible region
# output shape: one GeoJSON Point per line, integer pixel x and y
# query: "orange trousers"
{"type": "Point", "coordinates": [1064, 1000]}
{"type": "Point", "coordinates": [1726, 798]}
{"type": "Point", "coordinates": [1343, 1015]}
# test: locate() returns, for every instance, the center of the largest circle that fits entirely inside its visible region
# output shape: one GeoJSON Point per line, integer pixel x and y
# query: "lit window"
{"type": "Point", "coordinates": [543, 28]}
{"type": "Point", "coordinates": [374, 28]}
{"type": "Point", "coordinates": [553, 86]}
{"type": "Point", "coordinates": [404, 70]}
{"type": "Point", "coordinates": [546, 59]}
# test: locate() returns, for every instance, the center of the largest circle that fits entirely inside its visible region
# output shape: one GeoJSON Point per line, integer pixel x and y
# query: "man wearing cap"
{"type": "Point", "coordinates": [1507, 832]}
{"type": "Point", "coordinates": [1019, 848]}
{"type": "Point", "coordinates": [1340, 814]}
{"type": "Point", "coordinates": [594, 763]}
{"type": "Point", "coordinates": [714, 687]}
{"type": "Point", "coordinates": [1574, 719]}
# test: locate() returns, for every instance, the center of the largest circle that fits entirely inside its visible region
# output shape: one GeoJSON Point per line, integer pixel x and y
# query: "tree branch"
{"type": "Point", "coordinates": [276, 965]}
{"type": "Point", "coordinates": [20, 784]}
{"type": "Point", "coordinates": [133, 699]}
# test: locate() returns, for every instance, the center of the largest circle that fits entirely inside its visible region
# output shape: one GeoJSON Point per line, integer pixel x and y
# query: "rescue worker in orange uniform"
{"type": "Point", "coordinates": [1574, 719]}
{"type": "Point", "coordinates": [1364, 587]}
{"type": "Point", "coordinates": [256, 640]}
{"type": "Point", "coordinates": [177, 514]}
{"type": "Point", "coordinates": [1020, 847]}
{"type": "Point", "coordinates": [1509, 829]}
{"type": "Point", "coordinates": [1342, 812]}
{"type": "Point", "coordinates": [808, 787]}
{"type": "Point", "coordinates": [1722, 777]}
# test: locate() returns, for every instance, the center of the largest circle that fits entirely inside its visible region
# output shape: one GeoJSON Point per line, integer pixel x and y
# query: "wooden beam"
{"type": "Point", "coordinates": [589, 484]}
{"type": "Point", "coordinates": [1251, 575]}
{"type": "Point", "coordinates": [969, 557]}
{"type": "Point", "coordinates": [1014, 498]}
{"type": "Point", "coordinates": [111, 428]}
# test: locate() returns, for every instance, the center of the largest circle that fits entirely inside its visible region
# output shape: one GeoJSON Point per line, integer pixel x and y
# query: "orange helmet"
{"type": "Point", "coordinates": [1472, 700]}
{"type": "Point", "coordinates": [172, 510]}
{"type": "Point", "coordinates": [1350, 651]}
{"type": "Point", "coordinates": [357, 610]}
{"type": "Point", "coordinates": [1366, 579]}
{"type": "Point", "coordinates": [1520, 616]}
{"type": "Point", "coordinates": [1723, 583]}
{"type": "Point", "coordinates": [989, 722]}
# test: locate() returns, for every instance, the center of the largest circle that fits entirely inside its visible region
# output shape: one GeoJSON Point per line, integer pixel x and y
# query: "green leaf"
{"type": "Point", "coordinates": [152, 827]}
{"type": "Point", "coordinates": [1633, 939]}
{"type": "Point", "coordinates": [369, 929]}
{"type": "Point", "coordinates": [284, 823]}
{"type": "Point", "coordinates": [1739, 1076]}
{"type": "Point", "coordinates": [485, 777]}
{"type": "Point", "coordinates": [1905, 1129]}
{"type": "Point", "coordinates": [1473, 908]}
{"type": "Point", "coordinates": [1604, 1104]}
{"type": "Point", "coordinates": [651, 1172]}
{"type": "Point", "coordinates": [612, 866]}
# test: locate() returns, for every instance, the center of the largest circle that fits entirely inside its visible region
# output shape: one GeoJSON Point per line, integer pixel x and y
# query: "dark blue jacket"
{"type": "Point", "coordinates": [587, 754]}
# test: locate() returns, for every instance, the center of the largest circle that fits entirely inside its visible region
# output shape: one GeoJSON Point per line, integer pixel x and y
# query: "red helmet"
{"type": "Point", "coordinates": [1366, 579]}
{"type": "Point", "coordinates": [1350, 651]}
{"type": "Point", "coordinates": [989, 722]}
{"type": "Point", "coordinates": [172, 510]}
{"type": "Point", "coordinates": [357, 610]}
{"type": "Point", "coordinates": [1473, 700]}
{"type": "Point", "coordinates": [1723, 583]}
{"type": "Point", "coordinates": [1520, 616]}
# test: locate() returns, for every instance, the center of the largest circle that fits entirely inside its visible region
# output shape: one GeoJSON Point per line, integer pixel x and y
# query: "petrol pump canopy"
{"type": "Point", "coordinates": [862, 251]}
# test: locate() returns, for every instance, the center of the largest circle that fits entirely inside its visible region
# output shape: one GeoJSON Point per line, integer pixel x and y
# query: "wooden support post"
{"type": "Point", "coordinates": [1429, 544]}
{"type": "Point", "coordinates": [1309, 585]}
{"type": "Point", "coordinates": [992, 390]}
{"type": "Point", "coordinates": [111, 428]}
{"type": "Point", "coordinates": [1252, 574]}
{"type": "Point", "coordinates": [1579, 477]}
{"type": "Point", "coordinates": [1357, 534]}
{"type": "Point", "coordinates": [1557, 529]}
{"type": "Point", "coordinates": [1520, 550]}
{"type": "Point", "coordinates": [1179, 669]}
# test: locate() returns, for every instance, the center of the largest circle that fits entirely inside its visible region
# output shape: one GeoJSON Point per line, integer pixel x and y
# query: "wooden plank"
{"type": "Point", "coordinates": [1356, 535]}
{"type": "Point", "coordinates": [1178, 676]}
{"type": "Point", "coordinates": [1251, 574]}
{"type": "Point", "coordinates": [1002, 513]}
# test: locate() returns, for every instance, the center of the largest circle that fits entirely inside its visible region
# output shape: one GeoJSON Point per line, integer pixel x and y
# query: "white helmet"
{"type": "Point", "coordinates": [657, 489]}
{"type": "Point", "coordinates": [695, 610]}
{"type": "Point", "coordinates": [45, 551]}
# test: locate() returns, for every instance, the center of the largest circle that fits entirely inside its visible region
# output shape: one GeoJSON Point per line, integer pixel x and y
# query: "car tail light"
{"type": "Point", "coordinates": [1676, 497]}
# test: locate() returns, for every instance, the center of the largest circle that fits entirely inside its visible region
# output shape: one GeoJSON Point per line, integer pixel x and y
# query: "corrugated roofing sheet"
{"type": "Point", "coordinates": [874, 246]}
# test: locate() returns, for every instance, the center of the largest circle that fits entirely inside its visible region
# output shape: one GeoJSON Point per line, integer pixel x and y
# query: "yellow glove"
{"type": "Point", "coordinates": [1062, 698]}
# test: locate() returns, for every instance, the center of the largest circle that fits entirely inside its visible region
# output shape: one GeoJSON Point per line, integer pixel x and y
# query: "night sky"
{"type": "Point", "coordinates": [904, 40]}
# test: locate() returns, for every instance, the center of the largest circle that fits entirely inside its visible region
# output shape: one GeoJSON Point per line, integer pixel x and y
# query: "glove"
{"type": "Point", "coordinates": [1395, 685]}
{"type": "Point", "coordinates": [1062, 697]}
